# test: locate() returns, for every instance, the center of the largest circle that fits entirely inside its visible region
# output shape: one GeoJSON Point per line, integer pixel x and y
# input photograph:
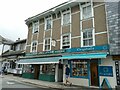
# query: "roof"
{"type": "Point", "coordinates": [12, 53]}
{"type": "Point", "coordinates": [19, 41]}
{"type": "Point", "coordinates": [52, 10]}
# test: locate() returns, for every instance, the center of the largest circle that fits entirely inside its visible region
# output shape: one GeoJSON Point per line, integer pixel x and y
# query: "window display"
{"type": "Point", "coordinates": [79, 68]}
{"type": "Point", "coordinates": [48, 69]}
{"type": "Point", "coordinates": [28, 69]}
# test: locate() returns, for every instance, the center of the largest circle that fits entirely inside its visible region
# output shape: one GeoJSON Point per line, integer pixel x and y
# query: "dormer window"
{"type": "Point", "coordinates": [35, 27]}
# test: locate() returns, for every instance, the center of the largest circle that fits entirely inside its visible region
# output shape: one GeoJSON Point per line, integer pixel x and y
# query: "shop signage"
{"type": "Point", "coordinates": [106, 71]}
{"type": "Point", "coordinates": [47, 52]}
{"type": "Point", "coordinates": [93, 48]}
{"type": "Point", "coordinates": [81, 49]}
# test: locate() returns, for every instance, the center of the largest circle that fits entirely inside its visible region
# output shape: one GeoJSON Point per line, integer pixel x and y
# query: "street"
{"type": "Point", "coordinates": [9, 84]}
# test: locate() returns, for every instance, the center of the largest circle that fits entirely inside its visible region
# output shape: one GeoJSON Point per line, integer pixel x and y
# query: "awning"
{"type": "Point", "coordinates": [84, 56]}
{"type": "Point", "coordinates": [39, 60]}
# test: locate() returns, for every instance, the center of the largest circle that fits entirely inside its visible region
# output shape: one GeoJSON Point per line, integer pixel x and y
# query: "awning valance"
{"type": "Point", "coordinates": [39, 60]}
{"type": "Point", "coordinates": [84, 56]}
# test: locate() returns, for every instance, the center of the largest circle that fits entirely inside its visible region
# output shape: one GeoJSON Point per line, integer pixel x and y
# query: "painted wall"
{"type": "Point", "coordinates": [109, 62]}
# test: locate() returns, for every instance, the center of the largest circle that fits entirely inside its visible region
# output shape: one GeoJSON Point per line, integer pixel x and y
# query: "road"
{"type": "Point", "coordinates": [9, 84]}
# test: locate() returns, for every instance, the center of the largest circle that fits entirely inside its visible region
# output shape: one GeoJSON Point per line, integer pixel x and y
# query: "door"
{"type": "Point", "coordinates": [94, 74]}
{"type": "Point", "coordinates": [37, 70]}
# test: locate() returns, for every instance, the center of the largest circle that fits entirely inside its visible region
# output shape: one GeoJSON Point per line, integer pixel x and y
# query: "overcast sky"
{"type": "Point", "coordinates": [13, 14]}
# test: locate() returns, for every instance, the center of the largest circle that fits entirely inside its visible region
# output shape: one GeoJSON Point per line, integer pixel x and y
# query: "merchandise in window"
{"type": "Point", "coordinates": [79, 68]}
{"type": "Point", "coordinates": [86, 12]}
{"type": "Point", "coordinates": [34, 47]}
{"type": "Point", "coordinates": [47, 44]}
{"type": "Point", "coordinates": [48, 23]}
{"type": "Point", "coordinates": [66, 41]}
{"type": "Point", "coordinates": [87, 38]}
{"type": "Point", "coordinates": [66, 18]}
{"type": "Point", "coordinates": [48, 69]}
{"type": "Point", "coordinates": [35, 27]}
{"type": "Point", "coordinates": [28, 69]}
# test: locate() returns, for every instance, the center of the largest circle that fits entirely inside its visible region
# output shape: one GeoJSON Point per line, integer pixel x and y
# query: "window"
{"type": "Point", "coordinates": [28, 69]}
{"type": "Point", "coordinates": [34, 46]}
{"type": "Point", "coordinates": [17, 47]}
{"type": "Point", "coordinates": [66, 18]}
{"type": "Point", "coordinates": [66, 41]}
{"type": "Point", "coordinates": [48, 23]}
{"type": "Point", "coordinates": [79, 68]}
{"type": "Point", "coordinates": [47, 44]}
{"type": "Point", "coordinates": [47, 69]}
{"type": "Point", "coordinates": [35, 27]}
{"type": "Point", "coordinates": [88, 38]}
{"type": "Point", "coordinates": [86, 11]}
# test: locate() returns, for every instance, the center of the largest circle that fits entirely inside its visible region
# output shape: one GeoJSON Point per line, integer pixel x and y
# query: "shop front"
{"type": "Point", "coordinates": [84, 68]}
{"type": "Point", "coordinates": [45, 69]}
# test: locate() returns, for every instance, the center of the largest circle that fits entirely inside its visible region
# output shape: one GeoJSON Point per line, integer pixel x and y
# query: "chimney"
{"type": "Point", "coordinates": [18, 39]}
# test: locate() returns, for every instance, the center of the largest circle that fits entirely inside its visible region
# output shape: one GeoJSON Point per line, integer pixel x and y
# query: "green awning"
{"type": "Point", "coordinates": [49, 60]}
{"type": "Point", "coordinates": [84, 56]}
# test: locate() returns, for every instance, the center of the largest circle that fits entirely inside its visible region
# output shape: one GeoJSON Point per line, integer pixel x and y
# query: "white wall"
{"type": "Point", "coordinates": [109, 62]}
{"type": "Point", "coordinates": [79, 81]}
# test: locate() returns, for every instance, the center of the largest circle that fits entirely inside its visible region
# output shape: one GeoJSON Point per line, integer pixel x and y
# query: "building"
{"type": "Point", "coordinates": [9, 57]}
{"type": "Point", "coordinates": [113, 17]}
{"type": "Point", "coordinates": [73, 33]}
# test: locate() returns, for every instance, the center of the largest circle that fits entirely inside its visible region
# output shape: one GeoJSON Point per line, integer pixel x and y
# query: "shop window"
{"type": "Point", "coordinates": [34, 46]}
{"type": "Point", "coordinates": [66, 41]}
{"type": "Point", "coordinates": [86, 11]}
{"type": "Point", "coordinates": [48, 69]}
{"type": "Point", "coordinates": [47, 44]}
{"type": "Point", "coordinates": [79, 68]}
{"type": "Point", "coordinates": [35, 27]}
{"type": "Point", "coordinates": [88, 37]}
{"type": "Point", "coordinates": [28, 69]}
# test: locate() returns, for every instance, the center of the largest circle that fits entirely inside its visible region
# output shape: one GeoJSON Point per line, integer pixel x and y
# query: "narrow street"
{"type": "Point", "coordinates": [9, 84]}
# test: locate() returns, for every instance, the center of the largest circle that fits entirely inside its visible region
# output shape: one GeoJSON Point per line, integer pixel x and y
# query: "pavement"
{"type": "Point", "coordinates": [39, 83]}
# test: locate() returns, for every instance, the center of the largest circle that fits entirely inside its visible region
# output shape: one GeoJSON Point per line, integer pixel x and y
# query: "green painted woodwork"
{"type": "Point", "coordinates": [46, 77]}
{"type": "Point", "coordinates": [28, 75]}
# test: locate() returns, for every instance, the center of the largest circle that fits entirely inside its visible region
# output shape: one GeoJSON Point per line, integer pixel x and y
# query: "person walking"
{"type": "Point", "coordinates": [67, 74]}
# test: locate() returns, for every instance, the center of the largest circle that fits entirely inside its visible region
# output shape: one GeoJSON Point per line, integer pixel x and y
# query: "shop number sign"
{"type": "Point", "coordinates": [106, 71]}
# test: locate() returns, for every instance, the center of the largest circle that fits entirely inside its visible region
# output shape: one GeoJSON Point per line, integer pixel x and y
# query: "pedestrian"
{"type": "Point", "coordinates": [67, 74]}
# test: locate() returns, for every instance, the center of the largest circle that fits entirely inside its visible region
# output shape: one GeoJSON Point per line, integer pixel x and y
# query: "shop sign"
{"type": "Point", "coordinates": [47, 52]}
{"type": "Point", "coordinates": [106, 71]}
{"type": "Point", "coordinates": [83, 49]}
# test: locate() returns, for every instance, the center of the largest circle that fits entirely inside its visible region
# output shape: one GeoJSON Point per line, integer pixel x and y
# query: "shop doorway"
{"type": "Point", "coordinates": [60, 72]}
{"type": "Point", "coordinates": [37, 71]}
{"type": "Point", "coordinates": [94, 73]}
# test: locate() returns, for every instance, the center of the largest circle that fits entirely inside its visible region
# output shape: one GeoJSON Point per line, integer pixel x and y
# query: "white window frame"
{"type": "Point", "coordinates": [35, 27]}
{"type": "Point", "coordinates": [83, 6]}
{"type": "Point", "coordinates": [49, 18]}
{"type": "Point", "coordinates": [63, 13]}
{"type": "Point", "coordinates": [34, 46]}
{"type": "Point", "coordinates": [62, 40]}
{"type": "Point", "coordinates": [47, 44]}
{"type": "Point", "coordinates": [93, 38]}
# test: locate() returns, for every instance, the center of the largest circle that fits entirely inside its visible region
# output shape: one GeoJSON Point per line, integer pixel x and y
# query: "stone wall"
{"type": "Point", "coordinates": [113, 18]}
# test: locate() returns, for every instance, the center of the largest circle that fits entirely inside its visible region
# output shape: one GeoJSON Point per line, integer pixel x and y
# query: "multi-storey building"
{"type": "Point", "coordinates": [9, 57]}
{"type": "Point", "coordinates": [73, 33]}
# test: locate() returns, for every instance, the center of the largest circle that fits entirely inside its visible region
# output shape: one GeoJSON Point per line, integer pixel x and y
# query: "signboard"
{"type": "Point", "coordinates": [81, 49]}
{"type": "Point", "coordinates": [93, 48]}
{"type": "Point", "coordinates": [106, 71]}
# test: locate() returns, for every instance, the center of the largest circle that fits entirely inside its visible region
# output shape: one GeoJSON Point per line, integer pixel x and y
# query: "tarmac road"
{"type": "Point", "coordinates": [8, 84]}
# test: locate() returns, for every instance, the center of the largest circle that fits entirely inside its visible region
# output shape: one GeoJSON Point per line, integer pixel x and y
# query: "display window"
{"type": "Point", "coordinates": [28, 69]}
{"type": "Point", "coordinates": [47, 69]}
{"type": "Point", "coordinates": [79, 68]}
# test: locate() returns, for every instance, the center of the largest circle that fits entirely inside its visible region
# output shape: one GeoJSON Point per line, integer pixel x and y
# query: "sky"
{"type": "Point", "coordinates": [13, 14]}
